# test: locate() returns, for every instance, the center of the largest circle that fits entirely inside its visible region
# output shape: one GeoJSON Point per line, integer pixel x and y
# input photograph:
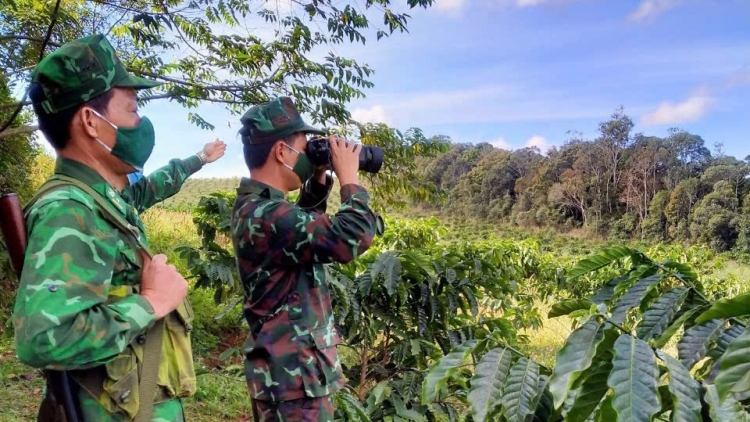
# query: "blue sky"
{"type": "Point", "coordinates": [524, 72]}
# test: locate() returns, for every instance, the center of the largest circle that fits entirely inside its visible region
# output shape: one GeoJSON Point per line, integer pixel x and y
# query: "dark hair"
{"type": "Point", "coordinates": [256, 155]}
{"type": "Point", "coordinates": [56, 126]}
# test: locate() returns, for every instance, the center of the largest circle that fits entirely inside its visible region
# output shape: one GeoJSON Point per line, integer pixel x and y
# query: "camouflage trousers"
{"type": "Point", "coordinates": [318, 409]}
{"type": "Point", "coordinates": [168, 411]}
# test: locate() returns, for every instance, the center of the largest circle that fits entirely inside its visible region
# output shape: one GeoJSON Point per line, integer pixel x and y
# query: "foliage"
{"type": "Point", "coordinates": [616, 363]}
{"type": "Point", "coordinates": [231, 52]}
{"type": "Point", "coordinates": [194, 189]}
{"type": "Point", "coordinates": [405, 303]}
{"type": "Point", "coordinates": [17, 152]}
{"type": "Point", "coordinates": [221, 60]}
{"type": "Point", "coordinates": [620, 185]}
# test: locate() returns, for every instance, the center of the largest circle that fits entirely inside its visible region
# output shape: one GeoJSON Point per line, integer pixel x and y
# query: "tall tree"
{"type": "Point", "coordinates": [614, 139]}
{"type": "Point", "coordinates": [641, 175]}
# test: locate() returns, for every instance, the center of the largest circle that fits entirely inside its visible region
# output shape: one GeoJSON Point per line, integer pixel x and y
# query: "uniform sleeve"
{"type": "Point", "coordinates": [162, 183]}
{"type": "Point", "coordinates": [296, 237]}
{"type": "Point", "coordinates": [312, 196]}
{"type": "Point", "coordinates": [60, 316]}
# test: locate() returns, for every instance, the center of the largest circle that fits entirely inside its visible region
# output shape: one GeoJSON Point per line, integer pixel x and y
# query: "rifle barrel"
{"type": "Point", "coordinates": [13, 230]}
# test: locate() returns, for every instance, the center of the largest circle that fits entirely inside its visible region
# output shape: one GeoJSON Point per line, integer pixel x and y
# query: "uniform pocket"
{"type": "Point", "coordinates": [321, 369]}
{"type": "Point", "coordinates": [177, 371]}
{"type": "Point", "coordinates": [121, 384]}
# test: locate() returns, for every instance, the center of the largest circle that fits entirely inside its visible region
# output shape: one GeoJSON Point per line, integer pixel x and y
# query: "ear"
{"type": "Point", "coordinates": [89, 122]}
{"type": "Point", "coordinates": [280, 151]}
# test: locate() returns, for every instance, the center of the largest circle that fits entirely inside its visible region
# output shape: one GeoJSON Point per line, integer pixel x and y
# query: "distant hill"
{"type": "Point", "coordinates": [193, 189]}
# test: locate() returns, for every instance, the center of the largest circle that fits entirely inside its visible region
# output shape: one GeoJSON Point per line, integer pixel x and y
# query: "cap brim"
{"type": "Point", "coordinates": [309, 129]}
{"type": "Point", "coordinates": [137, 82]}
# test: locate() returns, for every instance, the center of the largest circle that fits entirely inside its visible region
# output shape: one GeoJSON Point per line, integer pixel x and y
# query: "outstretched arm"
{"type": "Point", "coordinates": [167, 181]}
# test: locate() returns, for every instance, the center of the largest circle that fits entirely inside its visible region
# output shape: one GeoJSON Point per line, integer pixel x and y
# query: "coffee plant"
{"type": "Point", "coordinates": [403, 305]}
{"type": "Point", "coordinates": [619, 364]}
{"type": "Point", "coordinates": [430, 329]}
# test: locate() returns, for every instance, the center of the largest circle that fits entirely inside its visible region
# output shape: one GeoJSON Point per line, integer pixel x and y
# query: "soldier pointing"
{"type": "Point", "coordinates": [92, 301]}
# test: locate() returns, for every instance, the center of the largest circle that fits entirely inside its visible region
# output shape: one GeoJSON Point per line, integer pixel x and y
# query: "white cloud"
{"type": "Point", "coordinates": [488, 103]}
{"type": "Point", "coordinates": [449, 5]}
{"type": "Point", "coordinates": [647, 9]}
{"type": "Point", "coordinates": [524, 3]}
{"type": "Point", "coordinates": [693, 108]}
{"type": "Point", "coordinates": [500, 143]}
{"type": "Point", "coordinates": [539, 142]}
{"type": "Point", "coordinates": [375, 114]}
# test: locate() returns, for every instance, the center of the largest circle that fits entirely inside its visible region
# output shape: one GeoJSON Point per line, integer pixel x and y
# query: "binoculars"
{"type": "Point", "coordinates": [370, 157]}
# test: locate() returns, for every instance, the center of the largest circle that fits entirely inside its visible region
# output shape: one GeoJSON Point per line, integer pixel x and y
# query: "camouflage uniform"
{"type": "Point", "coordinates": [77, 306]}
{"type": "Point", "coordinates": [291, 362]}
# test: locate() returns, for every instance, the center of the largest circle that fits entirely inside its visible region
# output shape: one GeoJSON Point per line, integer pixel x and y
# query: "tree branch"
{"type": "Point", "coordinates": [26, 38]}
{"type": "Point", "coordinates": [18, 131]}
{"type": "Point", "coordinates": [13, 105]}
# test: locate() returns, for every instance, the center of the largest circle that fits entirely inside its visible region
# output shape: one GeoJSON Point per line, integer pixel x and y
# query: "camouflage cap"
{"type": "Point", "coordinates": [272, 121]}
{"type": "Point", "coordinates": [80, 70]}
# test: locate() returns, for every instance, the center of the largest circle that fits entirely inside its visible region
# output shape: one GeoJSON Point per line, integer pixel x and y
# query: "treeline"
{"type": "Point", "coordinates": [620, 184]}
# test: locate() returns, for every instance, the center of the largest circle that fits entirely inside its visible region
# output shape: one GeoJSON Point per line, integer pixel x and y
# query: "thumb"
{"type": "Point", "coordinates": [159, 259]}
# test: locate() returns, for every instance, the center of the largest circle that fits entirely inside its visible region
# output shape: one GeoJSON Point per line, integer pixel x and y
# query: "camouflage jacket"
{"type": "Point", "coordinates": [280, 249]}
{"type": "Point", "coordinates": [76, 262]}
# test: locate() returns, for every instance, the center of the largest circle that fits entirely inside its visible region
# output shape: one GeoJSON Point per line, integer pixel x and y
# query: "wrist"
{"type": "Point", "coordinates": [159, 311]}
{"type": "Point", "coordinates": [348, 180]}
{"type": "Point", "coordinates": [202, 157]}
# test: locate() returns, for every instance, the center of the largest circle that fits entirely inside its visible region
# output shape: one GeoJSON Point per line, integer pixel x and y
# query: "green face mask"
{"type": "Point", "coordinates": [304, 168]}
{"type": "Point", "coordinates": [133, 145]}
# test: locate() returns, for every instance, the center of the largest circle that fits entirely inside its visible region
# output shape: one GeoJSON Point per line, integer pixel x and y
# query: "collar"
{"type": "Point", "coordinates": [90, 177]}
{"type": "Point", "coordinates": [251, 186]}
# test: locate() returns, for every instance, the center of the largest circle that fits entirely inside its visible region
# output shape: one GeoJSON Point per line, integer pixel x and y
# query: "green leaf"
{"type": "Point", "coordinates": [734, 369]}
{"type": "Point", "coordinates": [606, 411]}
{"type": "Point", "coordinates": [415, 259]}
{"type": "Point", "coordinates": [633, 297]}
{"type": "Point", "coordinates": [594, 386]}
{"type": "Point", "coordinates": [634, 380]}
{"type": "Point", "coordinates": [402, 411]}
{"type": "Point", "coordinates": [544, 408]}
{"type": "Point", "coordinates": [444, 369]}
{"type": "Point", "coordinates": [472, 300]}
{"type": "Point", "coordinates": [694, 344]}
{"type": "Point", "coordinates": [674, 327]}
{"type": "Point", "coordinates": [727, 308]}
{"type": "Point", "coordinates": [236, 301]}
{"type": "Point", "coordinates": [567, 306]}
{"type": "Point", "coordinates": [488, 381]}
{"type": "Point", "coordinates": [605, 293]}
{"type": "Point", "coordinates": [520, 390]}
{"type": "Point", "coordinates": [730, 410]}
{"type": "Point", "coordinates": [685, 391]}
{"type": "Point", "coordinates": [683, 270]}
{"type": "Point", "coordinates": [377, 395]}
{"type": "Point", "coordinates": [389, 263]}
{"type": "Point", "coordinates": [350, 406]}
{"type": "Point", "coordinates": [727, 336]}
{"type": "Point", "coordinates": [661, 312]}
{"type": "Point", "coordinates": [542, 404]}
{"type": "Point", "coordinates": [574, 358]}
{"type": "Point", "coordinates": [604, 258]}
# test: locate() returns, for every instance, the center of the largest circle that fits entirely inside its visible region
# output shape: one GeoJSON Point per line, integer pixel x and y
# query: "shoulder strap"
{"type": "Point", "coordinates": [152, 348]}
{"type": "Point", "coordinates": [109, 213]}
